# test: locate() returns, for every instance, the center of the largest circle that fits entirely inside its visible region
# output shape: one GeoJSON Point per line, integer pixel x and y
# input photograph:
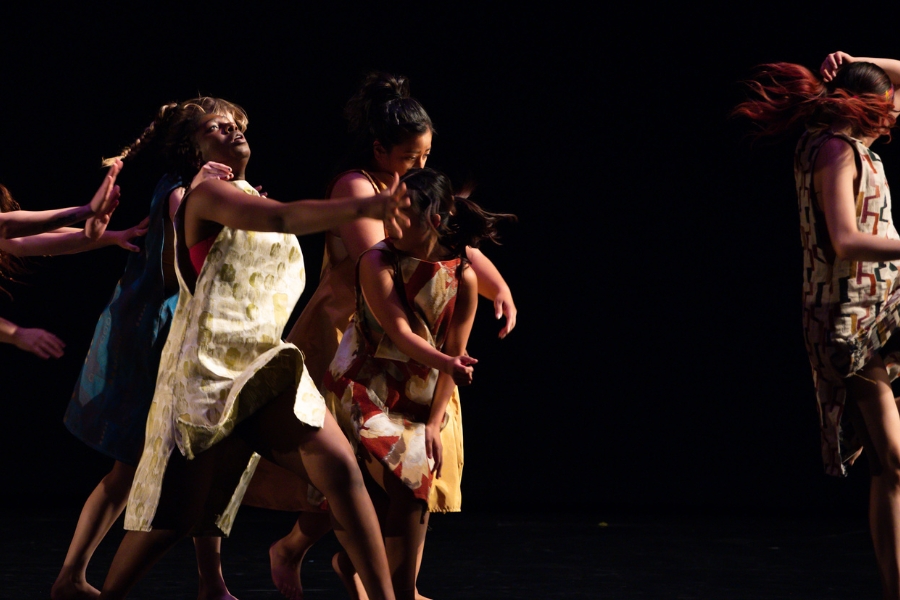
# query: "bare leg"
{"type": "Point", "coordinates": [879, 410]}
{"type": "Point", "coordinates": [325, 459]}
{"type": "Point", "coordinates": [138, 552]}
{"type": "Point", "coordinates": [209, 565]}
{"type": "Point", "coordinates": [100, 511]}
{"type": "Point", "coordinates": [286, 555]}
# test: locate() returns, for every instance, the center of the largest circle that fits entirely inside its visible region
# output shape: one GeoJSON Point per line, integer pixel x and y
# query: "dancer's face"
{"type": "Point", "coordinates": [219, 139]}
{"type": "Point", "coordinates": [419, 237]}
{"type": "Point", "coordinates": [413, 153]}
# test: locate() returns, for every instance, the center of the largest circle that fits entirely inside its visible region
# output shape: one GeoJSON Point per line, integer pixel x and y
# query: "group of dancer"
{"type": "Point", "coordinates": [851, 265]}
{"type": "Point", "coordinates": [188, 384]}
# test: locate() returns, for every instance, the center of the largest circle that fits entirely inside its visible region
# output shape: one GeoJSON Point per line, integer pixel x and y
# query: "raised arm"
{"type": "Point", "coordinates": [37, 341]}
{"type": "Point", "coordinates": [834, 60]}
{"type": "Point", "coordinates": [20, 223]}
{"type": "Point", "coordinates": [834, 179]}
{"type": "Point", "coordinates": [492, 286]}
{"type": "Point", "coordinates": [216, 201]}
{"type": "Point", "coordinates": [377, 284]}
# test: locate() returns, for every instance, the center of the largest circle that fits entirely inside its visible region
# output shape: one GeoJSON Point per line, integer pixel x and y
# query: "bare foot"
{"type": "Point", "coordinates": [67, 588]}
{"type": "Point", "coordinates": [285, 571]}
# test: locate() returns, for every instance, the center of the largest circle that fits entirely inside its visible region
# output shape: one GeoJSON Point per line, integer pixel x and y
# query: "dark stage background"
{"type": "Point", "coordinates": [658, 363]}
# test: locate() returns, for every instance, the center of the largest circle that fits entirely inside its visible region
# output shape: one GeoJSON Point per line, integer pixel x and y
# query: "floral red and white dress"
{"type": "Point", "coordinates": [381, 396]}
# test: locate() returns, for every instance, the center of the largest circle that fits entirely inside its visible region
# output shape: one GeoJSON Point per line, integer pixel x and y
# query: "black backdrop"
{"type": "Point", "coordinates": [658, 362]}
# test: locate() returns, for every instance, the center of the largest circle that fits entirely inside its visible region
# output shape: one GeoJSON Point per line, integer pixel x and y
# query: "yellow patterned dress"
{"type": "Point", "coordinates": [850, 308]}
{"type": "Point", "coordinates": [223, 360]}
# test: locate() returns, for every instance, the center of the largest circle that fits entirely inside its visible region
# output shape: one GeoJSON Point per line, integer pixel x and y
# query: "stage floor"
{"type": "Point", "coordinates": [471, 556]}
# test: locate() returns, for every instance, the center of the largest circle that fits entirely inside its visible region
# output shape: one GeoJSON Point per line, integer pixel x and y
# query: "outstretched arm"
{"type": "Point", "coordinates": [492, 286]}
{"type": "Point", "coordinates": [37, 341]}
{"type": "Point", "coordinates": [20, 223]}
{"type": "Point", "coordinates": [215, 201]}
{"type": "Point", "coordinates": [834, 60]}
{"type": "Point", "coordinates": [67, 240]}
{"type": "Point", "coordinates": [377, 284]}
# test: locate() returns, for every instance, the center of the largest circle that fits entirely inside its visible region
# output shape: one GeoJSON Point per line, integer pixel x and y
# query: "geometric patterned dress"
{"type": "Point", "coordinates": [381, 397]}
{"type": "Point", "coordinates": [850, 308]}
{"type": "Point", "coordinates": [223, 360]}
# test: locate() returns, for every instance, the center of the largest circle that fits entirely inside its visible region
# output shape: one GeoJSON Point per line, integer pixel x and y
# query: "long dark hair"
{"type": "Point", "coordinates": [786, 96]}
{"type": "Point", "coordinates": [382, 110]}
{"type": "Point", "coordinates": [463, 222]}
{"type": "Point", "coordinates": [173, 129]}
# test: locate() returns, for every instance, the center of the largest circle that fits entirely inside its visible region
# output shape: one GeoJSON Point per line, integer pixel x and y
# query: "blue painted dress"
{"type": "Point", "coordinates": [108, 408]}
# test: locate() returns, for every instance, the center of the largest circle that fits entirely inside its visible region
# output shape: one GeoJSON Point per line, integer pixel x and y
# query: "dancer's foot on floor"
{"type": "Point", "coordinates": [67, 587]}
{"type": "Point", "coordinates": [285, 570]}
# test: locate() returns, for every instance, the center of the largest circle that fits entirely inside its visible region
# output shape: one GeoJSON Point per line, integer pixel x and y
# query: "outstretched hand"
{"type": "Point", "coordinates": [212, 170]}
{"type": "Point", "coordinates": [123, 238]}
{"type": "Point", "coordinates": [832, 63]}
{"type": "Point", "coordinates": [106, 198]}
{"type": "Point", "coordinates": [391, 203]}
{"type": "Point", "coordinates": [460, 369]}
{"type": "Point", "coordinates": [95, 227]}
{"type": "Point", "coordinates": [39, 342]}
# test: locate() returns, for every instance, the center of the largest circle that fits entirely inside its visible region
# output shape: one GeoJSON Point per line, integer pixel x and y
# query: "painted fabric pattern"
{"type": "Point", "coordinates": [223, 360]}
{"type": "Point", "coordinates": [381, 397]}
{"type": "Point", "coordinates": [850, 308]}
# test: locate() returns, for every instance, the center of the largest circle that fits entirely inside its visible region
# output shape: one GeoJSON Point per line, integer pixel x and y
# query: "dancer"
{"type": "Point", "coordinates": [392, 133]}
{"type": "Point", "coordinates": [109, 405]}
{"type": "Point", "coordinates": [40, 233]}
{"type": "Point", "coordinates": [851, 250]}
{"type": "Point", "coordinates": [227, 384]}
{"type": "Point", "coordinates": [395, 369]}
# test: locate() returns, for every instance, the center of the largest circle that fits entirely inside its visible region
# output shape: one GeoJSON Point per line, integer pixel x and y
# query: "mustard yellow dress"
{"type": "Point", "coordinates": [222, 361]}
{"type": "Point", "coordinates": [318, 333]}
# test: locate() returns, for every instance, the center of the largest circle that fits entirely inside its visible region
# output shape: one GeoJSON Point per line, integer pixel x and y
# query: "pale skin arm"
{"type": "Point", "coordinates": [835, 177]}
{"type": "Point", "coordinates": [37, 341]}
{"type": "Point", "coordinates": [216, 202]}
{"type": "Point", "coordinates": [360, 235]}
{"type": "Point", "coordinates": [377, 284]}
{"type": "Point", "coordinates": [492, 286]}
{"type": "Point", "coordinates": [455, 344]}
{"type": "Point", "coordinates": [836, 59]}
{"type": "Point", "coordinates": [20, 223]}
{"type": "Point", "coordinates": [70, 241]}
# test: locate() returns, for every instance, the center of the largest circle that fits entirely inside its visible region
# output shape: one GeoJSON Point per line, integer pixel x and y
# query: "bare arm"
{"type": "Point", "coordinates": [492, 286]}
{"type": "Point", "coordinates": [361, 234]}
{"type": "Point", "coordinates": [834, 60]}
{"type": "Point", "coordinates": [70, 241]}
{"type": "Point", "coordinates": [455, 344]}
{"type": "Point", "coordinates": [215, 201]}
{"type": "Point", "coordinates": [377, 284]}
{"type": "Point", "coordinates": [834, 175]}
{"type": "Point", "coordinates": [37, 341]}
{"type": "Point", "coordinates": [20, 223]}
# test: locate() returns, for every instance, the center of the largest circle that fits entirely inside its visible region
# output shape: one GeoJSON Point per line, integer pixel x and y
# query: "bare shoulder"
{"type": "Point", "coordinates": [355, 185]}
{"type": "Point", "coordinates": [835, 152]}
{"type": "Point", "coordinates": [468, 278]}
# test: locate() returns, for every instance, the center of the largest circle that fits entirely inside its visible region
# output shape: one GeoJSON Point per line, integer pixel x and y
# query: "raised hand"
{"type": "Point", "coordinates": [212, 170]}
{"type": "Point", "coordinates": [106, 198]}
{"type": "Point", "coordinates": [832, 63]}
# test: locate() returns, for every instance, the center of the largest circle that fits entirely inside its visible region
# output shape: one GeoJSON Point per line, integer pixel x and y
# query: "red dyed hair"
{"type": "Point", "coordinates": [788, 95]}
